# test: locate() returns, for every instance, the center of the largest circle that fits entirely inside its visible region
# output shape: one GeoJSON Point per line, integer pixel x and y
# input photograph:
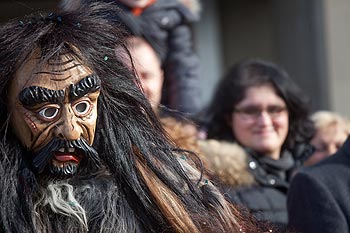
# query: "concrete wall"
{"type": "Point", "coordinates": [337, 15]}
{"type": "Point", "coordinates": [300, 46]}
{"type": "Point", "coordinates": [247, 30]}
{"type": "Point", "coordinates": [209, 47]}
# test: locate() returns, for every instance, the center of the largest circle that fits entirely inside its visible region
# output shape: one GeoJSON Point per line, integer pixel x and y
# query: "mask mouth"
{"type": "Point", "coordinates": [62, 158]}
{"type": "Point", "coordinates": [66, 155]}
{"type": "Point", "coordinates": [65, 162]}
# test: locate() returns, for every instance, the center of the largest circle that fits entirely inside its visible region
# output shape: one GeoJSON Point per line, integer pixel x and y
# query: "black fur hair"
{"type": "Point", "coordinates": [128, 135]}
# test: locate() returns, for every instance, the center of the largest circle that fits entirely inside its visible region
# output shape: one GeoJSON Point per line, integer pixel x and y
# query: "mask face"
{"type": "Point", "coordinates": [53, 113]}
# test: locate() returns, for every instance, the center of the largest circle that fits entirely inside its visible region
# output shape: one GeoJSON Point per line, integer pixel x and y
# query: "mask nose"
{"type": "Point", "coordinates": [68, 128]}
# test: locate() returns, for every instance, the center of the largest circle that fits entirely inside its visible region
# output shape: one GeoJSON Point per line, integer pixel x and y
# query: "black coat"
{"type": "Point", "coordinates": [267, 204]}
{"type": "Point", "coordinates": [266, 199]}
{"type": "Point", "coordinates": [254, 182]}
{"type": "Point", "coordinates": [319, 196]}
{"type": "Point", "coordinates": [166, 24]}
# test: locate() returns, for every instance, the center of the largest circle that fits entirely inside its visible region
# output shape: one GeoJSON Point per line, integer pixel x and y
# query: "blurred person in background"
{"type": "Point", "coordinates": [332, 129]}
{"type": "Point", "coordinates": [258, 134]}
{"type": "Point", "coordinates": [147, 66]}
{"type": "Point", "coordinates": [318, 198]}
{"type": "Point", "coordinates": [166, 26]}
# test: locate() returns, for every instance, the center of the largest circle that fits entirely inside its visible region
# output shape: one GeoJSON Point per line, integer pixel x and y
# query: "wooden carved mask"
{"type": "Point", "coordinates": [54, 112]}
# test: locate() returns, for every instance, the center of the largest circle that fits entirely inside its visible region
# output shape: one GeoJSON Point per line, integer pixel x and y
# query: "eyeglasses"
{"type": "Point", "coordinates": [254, 112]}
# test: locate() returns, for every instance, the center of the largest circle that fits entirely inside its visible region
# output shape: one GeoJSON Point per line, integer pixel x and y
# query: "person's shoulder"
{"type": "Point", "coordinates": [339, 160]}
{"type": "Point", "coordinates": [326, 172]}
{"type": "Point", "coordinates": [319, 169]}
{"type": "Point", "coordinates": [328, 162]}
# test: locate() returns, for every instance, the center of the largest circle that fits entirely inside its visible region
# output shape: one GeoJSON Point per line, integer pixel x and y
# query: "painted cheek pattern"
{"type": "Point", "coordinates": [40, 129]}
{"type": "Point", "coordinates": [31, 122]}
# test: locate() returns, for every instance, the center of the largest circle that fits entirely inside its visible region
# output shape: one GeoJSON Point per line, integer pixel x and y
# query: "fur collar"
{"type": "Point", "coordinates": [227, 161]}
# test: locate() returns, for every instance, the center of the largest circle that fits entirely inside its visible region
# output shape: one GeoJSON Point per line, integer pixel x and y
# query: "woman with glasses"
{"type": "Point", "coordinates": [258, 133]}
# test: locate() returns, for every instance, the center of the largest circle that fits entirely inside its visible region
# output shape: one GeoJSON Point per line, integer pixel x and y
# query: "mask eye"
{"type": "Point", "coordinates": [49, 113]}
{"type": "Point", "coordinates": [82, 108]}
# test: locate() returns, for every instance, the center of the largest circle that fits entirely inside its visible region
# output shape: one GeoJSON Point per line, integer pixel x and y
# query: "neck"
{"type": "Point", "coordinates": [275, 155]}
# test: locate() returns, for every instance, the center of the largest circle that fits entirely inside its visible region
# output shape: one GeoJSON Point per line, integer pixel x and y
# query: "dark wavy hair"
{"type": "Point", "coordinates": [145, 187]}
{"type": "Point", "coordinates": [256, 72]}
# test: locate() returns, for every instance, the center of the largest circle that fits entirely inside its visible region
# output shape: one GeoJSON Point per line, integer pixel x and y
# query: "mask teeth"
{"type": "Point", "coordinates": [71, 150]}
{"type": "Point", "coordinates": [62, 149]}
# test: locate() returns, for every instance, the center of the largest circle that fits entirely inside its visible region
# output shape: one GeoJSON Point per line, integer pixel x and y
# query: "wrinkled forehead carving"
{"type": "Point", "coordinates": [56, 72]}
{"type": "Point", "coordinates": [59, 65]}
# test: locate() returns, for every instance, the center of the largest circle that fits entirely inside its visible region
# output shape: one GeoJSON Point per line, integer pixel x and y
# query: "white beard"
{"type": "Point", "coordinates": [60, 197]}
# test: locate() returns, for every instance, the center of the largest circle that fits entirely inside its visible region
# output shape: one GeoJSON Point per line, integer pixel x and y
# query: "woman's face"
{"type": "Point", "coordinates": [260, 121]}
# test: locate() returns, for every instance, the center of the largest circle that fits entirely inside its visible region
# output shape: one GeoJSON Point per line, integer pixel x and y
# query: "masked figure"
{"type": "Point", "coordinates": [81, 149]}
{"type": "Point", "coordinates": [53, 114]}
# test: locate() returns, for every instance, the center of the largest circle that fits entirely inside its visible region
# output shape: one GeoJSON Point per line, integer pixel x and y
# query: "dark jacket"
{"type": "Point", "coordinates": [319, 196]}
{"type": "Point", "coordinates": [166, 26]}
{"type": "Point", "coordinates": [255, 182]}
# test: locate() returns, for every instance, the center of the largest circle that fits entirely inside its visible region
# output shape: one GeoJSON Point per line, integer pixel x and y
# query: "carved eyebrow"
{"type": "Point", "coordinates": [89, 84]}
{"type": "Point", "coordinates": [31, 96]}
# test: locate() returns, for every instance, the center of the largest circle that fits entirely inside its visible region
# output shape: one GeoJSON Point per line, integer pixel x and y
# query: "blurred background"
{"type": "Point", "coordinates": [308, 38]}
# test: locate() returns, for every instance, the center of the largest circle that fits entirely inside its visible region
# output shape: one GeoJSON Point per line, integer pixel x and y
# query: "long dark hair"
{"type": "Point", "coordinates": [255, 72]}
{"type": "Point", "coordinates": [145, 186]}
